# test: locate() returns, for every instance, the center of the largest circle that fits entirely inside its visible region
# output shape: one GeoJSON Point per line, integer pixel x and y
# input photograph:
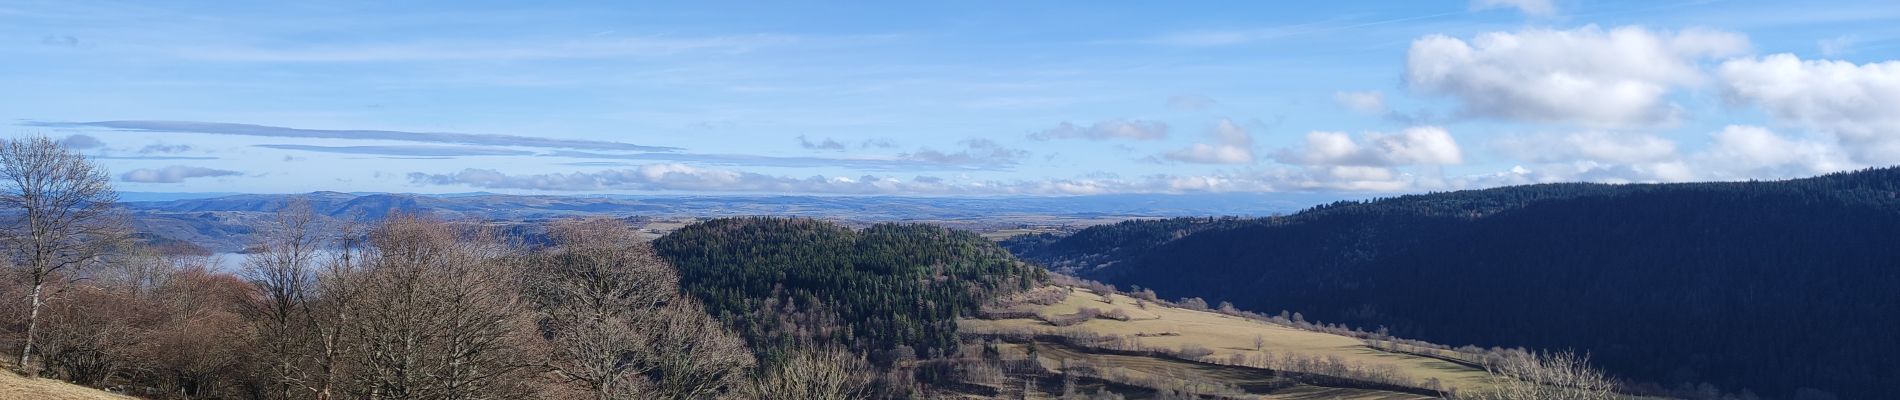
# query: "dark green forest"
{"type": "Point", "coordinates": [1782, 288]}
{"type": "Point", "coordinates": [787, 282]}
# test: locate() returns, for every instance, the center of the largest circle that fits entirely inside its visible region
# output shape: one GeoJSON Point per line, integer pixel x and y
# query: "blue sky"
{"type": "Point", "coordinates": [960, 98]}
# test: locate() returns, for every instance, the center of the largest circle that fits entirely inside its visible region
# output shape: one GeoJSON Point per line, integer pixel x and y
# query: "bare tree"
{"type": "Point", "coordinates": [281, 265]}
{"type": "Point", "coordinates": [437, 314]}
{"type": "Point", "coordinates": [59, 208]}
{"type": "Point", "coordinates": [695, 357]}
{"type": "Point", "coordinates": [1524, 375]}
{"type": "Point", "coordinates": [330, 317]}
{"type": "Point", "coordinates": [616, 325]}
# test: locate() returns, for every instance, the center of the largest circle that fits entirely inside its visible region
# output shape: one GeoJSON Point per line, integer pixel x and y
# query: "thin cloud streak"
{"type": "Point", "coordinates": [223, 128]}
{"type": "Point", "coordinates": [407, 151]}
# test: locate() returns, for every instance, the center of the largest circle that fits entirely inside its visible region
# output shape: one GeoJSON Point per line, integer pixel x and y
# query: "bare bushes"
{"type": "Point", "coordinates": [1043, 296]}
{"type": "Point", "coordinates": [817, 374]}
{"type": "Point", "coordinates": [991, 312]}
{"type": "Point", "coordinates": [1526, 375]}
{"type": "Point", "coordinates": [1082, 315]}
{"type": "Point", "coordinates": [1193, 352]}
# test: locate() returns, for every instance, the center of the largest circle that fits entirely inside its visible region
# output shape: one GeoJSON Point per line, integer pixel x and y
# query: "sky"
{"type": "Point", "coordinates": [963, 98]}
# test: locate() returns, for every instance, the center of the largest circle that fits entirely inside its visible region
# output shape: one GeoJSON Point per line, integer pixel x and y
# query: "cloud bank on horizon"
{"type": "Point", "coordinates": [971, 99]}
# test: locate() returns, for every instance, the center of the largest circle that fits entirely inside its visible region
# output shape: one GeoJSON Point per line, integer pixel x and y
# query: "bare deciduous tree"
{"type": "Point", "coordinates": [695, 356]}
{"type": "Point", "coordinates": [437, 314]}
{"type": "Point", "coordinates": [616, 324]}
{"type": "Point", "coordinates": [59, 208]}
{"type": "Point", "coordinates": [337, 294]}
{"type": "Point", "coordinates": [1524, 375]}
{"type": "Point", "coordinates": [818, 373]}
{"type": "Point", "coordinates": [281, 265]}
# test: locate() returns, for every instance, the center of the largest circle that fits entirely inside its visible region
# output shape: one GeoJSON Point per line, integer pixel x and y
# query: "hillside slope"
{"type": "Point", "coordinates": [782, 282]}
{"type": "Point", "coordinates": [1240, 352]}
{"type": "Point", "coordinates": [1778, 287]}
{"type": "Point", "coordinates": [14, 386]}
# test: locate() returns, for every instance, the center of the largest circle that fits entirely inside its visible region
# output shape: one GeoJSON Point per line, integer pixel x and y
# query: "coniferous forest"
{"type": "Point", "coordinates": [785, 283]}
{"type": "Point", "coordinates": [1782, 288]}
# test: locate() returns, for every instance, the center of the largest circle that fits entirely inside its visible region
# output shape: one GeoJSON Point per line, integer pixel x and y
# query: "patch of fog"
{"type": "Point", "coordinates": [227, 262]}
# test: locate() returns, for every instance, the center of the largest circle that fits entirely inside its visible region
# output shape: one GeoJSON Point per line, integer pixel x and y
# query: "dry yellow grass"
{"type": "Point", "coordinates": [1228, 335]}
{"type": "Point", "coordinates": [14, 386]}
{"type": "Point", "coordinates": [1248, 379]}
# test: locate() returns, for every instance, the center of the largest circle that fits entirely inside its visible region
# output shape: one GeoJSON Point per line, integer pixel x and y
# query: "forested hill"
{"type": "Point", "coordinates": [1785, 288]}
{"type": "Point", "coordinates": [791, 281]}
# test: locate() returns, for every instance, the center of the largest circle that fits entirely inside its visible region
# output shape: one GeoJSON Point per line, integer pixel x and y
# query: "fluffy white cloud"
{"type": "Point", "coordinates": [1858, 104]}
{"type": "Point", "coordinates": [1106, 130]}
{"type": "Point", "coordinates": [1535, 8]}
{"type": "Point", "coordinates": [1586, 76]}
{"type": "Point", "coordinates": [173, 174]}
{"type": "Point", "coordinates": [1368, 102]}
{"type": "Point", "coordinates": [1737, 152]}
{"type": "Point", "coordinates": [1232, 144]}
{"type": "Point", "coordinates": [1742, 152]}
{"type": "Point", "coordinates": [1425, 145]}
{"type": "Point", "coordinates": [1597, 146]}
{"type": "Point", "coordinates": [1411, 159]}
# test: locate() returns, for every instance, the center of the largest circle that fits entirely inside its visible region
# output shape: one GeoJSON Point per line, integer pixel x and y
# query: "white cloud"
{"type": "Point", "coordinates": [1535, 8]}
{"type": "Point", "coordinates": [1411, 159]}
{"type": "Point", "coordinates": [1737, 152]}
{"type": "Point", "coordinates": [1741, 152]}
{"type": "Point", "coordinates": [1586, 76]}
{"type": "Point", "coordinates": [681, 177]}
{"type": "Point", "coordinates": [1367, 102]}
{"type": "Point", "coordinates": [1232, 144]}
{"type": "Point", "coordinates": [1858, 104]}
{"type": "Point", "coordinates": [1426, 145]}
{"type": "Point", "coordinates": [1598, 146]}
{"type": "Point", "coordinates": [1106, 130]}
{"type": "Point", "coordinates": [978, 152]}
{"type": "Point", "coordinates": [173, 174]}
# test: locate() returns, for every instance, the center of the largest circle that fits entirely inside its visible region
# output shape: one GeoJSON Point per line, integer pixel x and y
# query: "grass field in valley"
{"type": "Point", "coordinates": [1166, 327]}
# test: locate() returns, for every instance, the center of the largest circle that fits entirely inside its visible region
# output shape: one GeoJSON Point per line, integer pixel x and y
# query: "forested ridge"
{"type": "Point", "coordinates": [1784, 288]}
{"type": "Point", "coordinates": [784, 282]}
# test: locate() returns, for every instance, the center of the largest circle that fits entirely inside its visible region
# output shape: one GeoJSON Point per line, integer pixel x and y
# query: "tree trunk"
{"type": "Point", "coordinates": [32, 329]}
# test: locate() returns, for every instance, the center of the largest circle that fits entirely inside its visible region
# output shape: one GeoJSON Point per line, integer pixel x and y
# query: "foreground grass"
{"type": "Point", "coordinates": [1160, 326]}
{"type": "Point", "coordinates": [14, 386]}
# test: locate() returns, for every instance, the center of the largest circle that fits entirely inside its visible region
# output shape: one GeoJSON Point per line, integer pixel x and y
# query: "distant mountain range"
{"type": "Point", "coordinates": [222, 223]}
